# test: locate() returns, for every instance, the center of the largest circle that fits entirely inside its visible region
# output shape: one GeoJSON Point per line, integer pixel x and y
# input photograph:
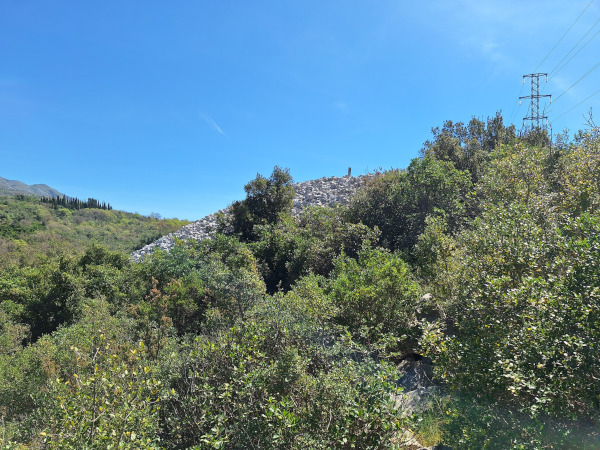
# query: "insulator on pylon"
{"type": "Point", "coordinates": [535, 119]}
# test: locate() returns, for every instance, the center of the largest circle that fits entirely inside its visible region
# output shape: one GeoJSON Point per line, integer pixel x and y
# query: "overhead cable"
{"type": "Point", "coordinates": [581, 78]}
{"type": "Point", "coordinates": [563, 36]}
{"type": "Point", "coordinates": [555, 71]}
{"type": "Point", "coordinates": [583, 101]}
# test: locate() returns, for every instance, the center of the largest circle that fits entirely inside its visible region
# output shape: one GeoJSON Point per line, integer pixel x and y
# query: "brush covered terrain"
{"type": "Point", "coordinates": [288, 332]}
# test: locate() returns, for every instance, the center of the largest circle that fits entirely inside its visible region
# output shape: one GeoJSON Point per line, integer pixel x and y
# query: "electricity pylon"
{"type": "Point", "coordinates": [534, 107]}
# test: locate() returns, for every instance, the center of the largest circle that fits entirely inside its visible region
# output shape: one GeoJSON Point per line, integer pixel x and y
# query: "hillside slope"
{"type": "Point", "coordinates": [326, 191]}
{"type": "Point", "coordinates": [14, 187]}
{"type": "Point", "coordinates": [30, 229]}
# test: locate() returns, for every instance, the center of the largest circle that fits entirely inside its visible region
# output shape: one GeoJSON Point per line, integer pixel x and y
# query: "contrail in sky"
{"type": "Point", "coordinates": [209, 120]}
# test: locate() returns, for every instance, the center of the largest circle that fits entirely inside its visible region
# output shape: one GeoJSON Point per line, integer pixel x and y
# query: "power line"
{"type": "Point", "coordinates": [555, 71]}
{"type": "Point", "coordinates": [583, 101]}
{"type": "Point", "coordinates": [518, 102]}
{"type": "Point", "coordinates": [563, 36]}
{"type": "Point", "coordinates": [512, 112]}
{"type": "Point", "coordinates": [581, 78]}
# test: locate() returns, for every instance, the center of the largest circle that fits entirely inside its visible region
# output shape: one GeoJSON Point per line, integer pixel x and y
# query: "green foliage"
{"type": "Point", "coordinates": [269, 384]}
{"type": "Point", "coordinates": [43, 297]}
{"type": "Point", "coordinates": [12, 335]}
{"type": "Point", "coordinates": [578, 175]}
{"type": "Point", "coordinates": [479, 422]}
{"type": "Point", "coordinates": [52, 294]}
{"type": "Point", "coordinates": [528, 323]}
{"type": "Point", "coordinates": [111, 400]}
{"type": "Point", "coordinates": [287, 340]}
{"type": "Point", "coordinates": [377, 300]}
{"type": "Point", "coordinates": [308, 298]}
{"type": "Point", "coordinates": [75, 203]}
{"type": "Point", "coordinates": [24, 373]}
{"type": "Point", "coordinates": [31, 231]}
{"type": "Point", "coordinates": [267, 199]}
{"type": "Point", "coordinates": [468, 146]}
{"type": "Point", "coordinates": [397, 202]}
{"type": "Point", "coordinates": [21, 217]}
{"type": "Point", "coordinates": [518, 173]}
{"type": "Point", "coordinates": [220, 274]}
{"type": "Point", "coordinates": [434, 255]}
{"type": "Point", "coordinates": [522, 324]}
{"type": "Point", "coordinates": [293, 248]}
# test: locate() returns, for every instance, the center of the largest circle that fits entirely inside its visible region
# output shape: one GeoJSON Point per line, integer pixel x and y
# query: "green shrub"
{"type": "Point", "coordinates": [398, 202]}
{"type": "Point", "coordinates": [111, 400]}
{"type": "Point", "coordinates": [377, 299]}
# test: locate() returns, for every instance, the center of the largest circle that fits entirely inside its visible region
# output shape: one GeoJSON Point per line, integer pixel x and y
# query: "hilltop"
{"type": "Point", "coordinates": [14, 187]}
{"type": "Point", "coordinates": [326, 191]}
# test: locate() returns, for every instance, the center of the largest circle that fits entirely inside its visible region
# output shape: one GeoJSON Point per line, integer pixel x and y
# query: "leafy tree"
{"type": "Point", "coordinates": [269, 384]}
{"type": "Point", "coordinates": [110, 400]}
{"type": "Point", "coordinates": [434, 256]}
{"type": "Point", "coordinates": [267, 199]}
{"type": "Point", "coordinates": [518, 173]}
{"type": "Point", "coordinates": [12, 334]}
{"type": "Point", "coordinates": [468, 146]}
{"type": "Point", "coordinates": [217, 275]}
{"type": "Point", "coordinates": [578, 174]}
{"type": "Point", "coordinates": [293, 248]}
{"type": "Point", "coordinates": [397, 202]}
{"type": "Point", "coordinates": [521, 322]}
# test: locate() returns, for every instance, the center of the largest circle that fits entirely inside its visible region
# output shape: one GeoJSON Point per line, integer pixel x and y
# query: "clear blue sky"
{"type": "Point", "coordinates": [171, 107]}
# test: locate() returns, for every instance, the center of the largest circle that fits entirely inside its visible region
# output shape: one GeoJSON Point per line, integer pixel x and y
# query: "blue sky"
{"type": "Point", "coordinates": [171, 107]}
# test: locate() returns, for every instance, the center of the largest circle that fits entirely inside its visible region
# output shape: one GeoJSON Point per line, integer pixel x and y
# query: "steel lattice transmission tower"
{"type": "Point", "coordinates": [534, 108]}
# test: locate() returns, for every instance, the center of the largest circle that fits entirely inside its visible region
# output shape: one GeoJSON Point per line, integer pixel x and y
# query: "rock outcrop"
{"type": "Point", "coordinates": [417, 382]}
{"type": "Point", "coordinates": [322, 192]}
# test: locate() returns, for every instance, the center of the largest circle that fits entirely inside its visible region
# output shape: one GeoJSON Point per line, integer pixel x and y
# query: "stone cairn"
{"type": "Point", "coordinates": [327, 191]}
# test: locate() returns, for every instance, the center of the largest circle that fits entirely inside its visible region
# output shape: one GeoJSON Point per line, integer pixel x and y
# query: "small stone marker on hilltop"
{"type": "Point", "coordinates": [326, 191]}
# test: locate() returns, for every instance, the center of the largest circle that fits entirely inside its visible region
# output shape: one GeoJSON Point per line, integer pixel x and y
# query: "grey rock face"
{"type": "Point", "coordinates": [418, 373]}
{"type": "Point", "coordinates": [325, 191]}
{"type": "Point", "coordinates": [322, 192]}
{"type": "Point", "coordinates": [417, 401]}
{"type": "Point", "coordinates": [419, 390]}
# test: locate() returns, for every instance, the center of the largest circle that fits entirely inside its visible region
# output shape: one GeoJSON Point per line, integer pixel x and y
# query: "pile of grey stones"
{"type": "Point", "coordinates": [327, 191]}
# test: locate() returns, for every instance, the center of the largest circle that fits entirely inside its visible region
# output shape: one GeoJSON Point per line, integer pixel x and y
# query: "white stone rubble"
{"type": "Point", "coordinates": [322, 192]}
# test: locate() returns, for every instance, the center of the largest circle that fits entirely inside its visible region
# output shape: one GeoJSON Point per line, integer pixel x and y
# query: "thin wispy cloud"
{"type": "Point", "coordinates": [211, 123]}
{"type": "Point", "coordinates": [341, 106]}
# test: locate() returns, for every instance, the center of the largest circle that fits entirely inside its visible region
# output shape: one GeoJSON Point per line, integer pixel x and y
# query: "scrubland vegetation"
{"type": "Point", "coordinates": [33, 230]}
{"type": "Point", "coordinates": [286, 332]}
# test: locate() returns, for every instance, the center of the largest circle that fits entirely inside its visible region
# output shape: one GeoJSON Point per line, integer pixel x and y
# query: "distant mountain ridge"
{"type": "Point", "coordinates": [14, 187]}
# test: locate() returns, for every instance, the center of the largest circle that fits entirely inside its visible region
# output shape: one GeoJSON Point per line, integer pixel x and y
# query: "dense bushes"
{"type": "Point", "coordinates": [377, 300]}
{"type": "Point", "coordinates": [31, 230]}
{"type": "Point", "coordinates": [270, 385]}
{"type": "Point", "coordinates": [519, 290]}
{"type": "Point", "coordinates": [398, 202]}
{"type": "Point", "coordinates": [267, 201]}
{"type": "Point", "coordinates": [286, 332]}
{"type": "Point", "coordinates": [292, 248]}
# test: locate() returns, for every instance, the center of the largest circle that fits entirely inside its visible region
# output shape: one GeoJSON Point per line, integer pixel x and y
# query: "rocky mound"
{"type": "Point", "coordinates": [322, 192]}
